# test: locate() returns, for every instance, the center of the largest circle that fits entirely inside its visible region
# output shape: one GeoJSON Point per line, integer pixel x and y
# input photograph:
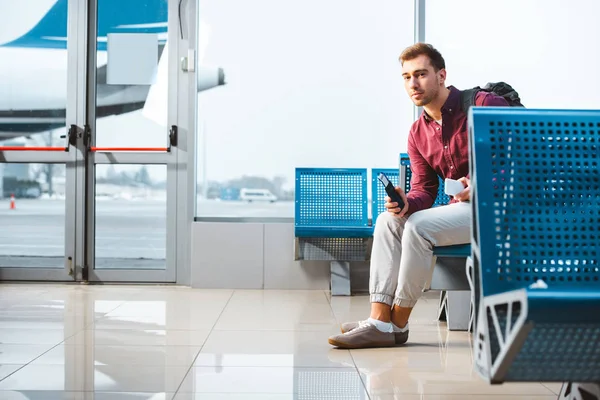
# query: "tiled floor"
{"type": "Point", "coordinates": [146, 342]}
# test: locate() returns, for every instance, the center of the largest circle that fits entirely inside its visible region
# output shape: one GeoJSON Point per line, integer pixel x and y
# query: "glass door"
{"type": "Point", "coordinates": [132, 153]}
{"type": "Point", "coordinates": [40, 139]}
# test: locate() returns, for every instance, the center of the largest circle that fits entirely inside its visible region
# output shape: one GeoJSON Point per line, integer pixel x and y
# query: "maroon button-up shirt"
{"type": "Point", "coordinates": [441, 150]}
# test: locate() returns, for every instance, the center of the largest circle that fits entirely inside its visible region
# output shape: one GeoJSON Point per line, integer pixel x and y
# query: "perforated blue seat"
{"type": "Point", "coordinates": [331, 203]}
{"type": "Point", "coordinates": [331, 220]}
{"type": "Point", "coordinates": [323, 231]}
{"type": "Point", "coordinates": [536, 243]}
{"type": "Point", "coordinates": [458, 250]}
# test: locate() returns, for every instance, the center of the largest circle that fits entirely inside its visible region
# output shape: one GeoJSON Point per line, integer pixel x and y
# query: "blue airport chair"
{"type": "Point", "coordinates": [331, 220]}
{"type": "Point", "coordinates": [536, 246]}
{"type": "Point", "coordinates": [331, 203]}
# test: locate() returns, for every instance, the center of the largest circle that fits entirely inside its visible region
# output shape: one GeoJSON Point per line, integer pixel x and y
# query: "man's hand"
{"type": "Point", "coordinates": [393, 207]}
{"type": "Point", "coordinates": [465, 195]}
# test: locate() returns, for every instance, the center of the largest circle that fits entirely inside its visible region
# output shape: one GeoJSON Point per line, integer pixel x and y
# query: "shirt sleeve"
{"type": "Point", "coordinates": [424, 180]}
{"type": "Point", "coordinates": [490, 100]}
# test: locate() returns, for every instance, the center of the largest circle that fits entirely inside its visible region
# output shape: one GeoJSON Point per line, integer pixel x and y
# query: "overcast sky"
{"type": "Point", "coordinates": [318, 82]}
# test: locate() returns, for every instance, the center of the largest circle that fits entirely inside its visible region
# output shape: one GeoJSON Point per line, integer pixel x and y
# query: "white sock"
{"type": "Point", "coordinates": [396, 329]}
{"type": "Point", "coordinates": [382, 326]}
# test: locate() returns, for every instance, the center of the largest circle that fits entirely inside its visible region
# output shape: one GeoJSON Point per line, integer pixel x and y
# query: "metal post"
{"type": "Point", "coordinates": [204, 162]}
{"type": "Point", "coordinates": [419, 34]}
{"type": "Point", "coordinates": [419, 21]}
{"type": "Point", "coordinates": [458, 309]}
{"type": "Point", "coordinates": [340, 278]}
{"type": "Point", "coordinates": [183, 107]}
{"type": "Point", "coordinates": [87, 176]}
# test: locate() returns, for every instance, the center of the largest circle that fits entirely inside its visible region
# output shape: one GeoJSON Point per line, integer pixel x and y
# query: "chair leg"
{"type": "Point", "coordinates": [579, 391]}
{"type": "Point", "coordinates": [458, 309]}
{"type": "Point", "coordinates": [340, 278]}
{"type": "Point", "coordinates": [473, 306]}
{"type": "Point", "coordinates": [442, 306]}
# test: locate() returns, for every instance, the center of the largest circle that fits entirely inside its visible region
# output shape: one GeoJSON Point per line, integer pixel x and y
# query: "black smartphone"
{"type": "Point", "coordinates": [390, 190]}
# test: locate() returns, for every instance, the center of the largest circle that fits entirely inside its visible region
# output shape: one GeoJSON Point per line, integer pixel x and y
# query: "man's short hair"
{"type": "Point", "coordinates": [418, 49]}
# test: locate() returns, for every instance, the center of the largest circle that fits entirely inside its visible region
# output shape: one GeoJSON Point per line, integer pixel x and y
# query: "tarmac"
{"type": "Point", "coordinates": [129, 233]}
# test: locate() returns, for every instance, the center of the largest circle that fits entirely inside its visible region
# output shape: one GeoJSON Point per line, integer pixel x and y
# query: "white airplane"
{"type": "Point", "coordinates": [33, 66]}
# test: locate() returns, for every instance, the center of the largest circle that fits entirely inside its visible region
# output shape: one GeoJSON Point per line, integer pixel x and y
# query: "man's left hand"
{"type": "Point", "coordinates": [465, 195]}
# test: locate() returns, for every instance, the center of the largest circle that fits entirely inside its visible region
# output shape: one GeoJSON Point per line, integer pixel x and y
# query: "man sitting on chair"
{"type": "Point", "coordinates": [403, 239]}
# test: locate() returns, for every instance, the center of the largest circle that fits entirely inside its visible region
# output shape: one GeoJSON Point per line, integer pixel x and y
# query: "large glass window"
{"type": "Point", "coordinates": [33, 75]}
{"type": "Point", "coordinates": [131, 70]}
{"type": "Point", "coordinates": [131, 209]}
{"type": "Point", "coordinates": [545, 49]}
{"type": "Point", "coordinates": [32, 211]}
{"type": "Point", "coordinates": [33, 99]}
{"type": "Point", "coordinates": [309, 84]}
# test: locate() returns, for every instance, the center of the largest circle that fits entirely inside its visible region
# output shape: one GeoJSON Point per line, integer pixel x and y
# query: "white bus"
{"type": "Point", "coordinates": [251, 195]}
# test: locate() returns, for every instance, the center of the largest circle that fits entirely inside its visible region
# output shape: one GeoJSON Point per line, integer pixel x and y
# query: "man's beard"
{"type": "Point", "coordinates": [425, 100]}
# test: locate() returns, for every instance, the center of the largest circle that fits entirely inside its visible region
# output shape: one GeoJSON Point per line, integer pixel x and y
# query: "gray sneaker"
{"type": "Point", "coordinates": [400, 337]}
{"type": "Point", "coordinates": [365, 335]}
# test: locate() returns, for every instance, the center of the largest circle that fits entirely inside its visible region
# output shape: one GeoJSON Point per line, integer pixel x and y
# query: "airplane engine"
{"type": "Point", "coordinates": [156, 105]}
{"type": "Point", "coordinates": [210, 77]}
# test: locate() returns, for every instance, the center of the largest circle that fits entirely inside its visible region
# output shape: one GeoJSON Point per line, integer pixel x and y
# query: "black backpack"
{"type": "Point", "coordinates": [502, 89]}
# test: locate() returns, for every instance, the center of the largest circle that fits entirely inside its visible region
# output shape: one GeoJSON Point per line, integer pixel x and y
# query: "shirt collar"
{"type": "Point", "coordinates": [450, 106]}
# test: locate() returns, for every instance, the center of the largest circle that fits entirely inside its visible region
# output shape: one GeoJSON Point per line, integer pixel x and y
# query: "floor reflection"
{"type": "Point", "coordinates": [128, 342]}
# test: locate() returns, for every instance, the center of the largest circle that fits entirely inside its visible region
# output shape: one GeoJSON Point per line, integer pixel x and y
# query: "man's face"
{"type": "Point", "coordinates": [421, 81]}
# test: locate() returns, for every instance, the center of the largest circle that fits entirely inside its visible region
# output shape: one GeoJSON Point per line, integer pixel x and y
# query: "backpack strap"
{"type": "Point", "coordinates": [467, 98]}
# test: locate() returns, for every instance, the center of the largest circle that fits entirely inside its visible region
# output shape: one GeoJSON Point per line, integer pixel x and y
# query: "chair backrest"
{"type": "Point", "coordinates": [331, 197]}
{"type": "Point", "coordinates": [535, 198]}
{"type": "Point", "coordinates": [378, 192]}
{"type": "Point", "coordinates": [441, 199]}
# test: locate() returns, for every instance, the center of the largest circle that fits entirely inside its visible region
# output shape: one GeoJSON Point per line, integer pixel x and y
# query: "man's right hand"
{"type": "Point", "coordinates": [393, 207]}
